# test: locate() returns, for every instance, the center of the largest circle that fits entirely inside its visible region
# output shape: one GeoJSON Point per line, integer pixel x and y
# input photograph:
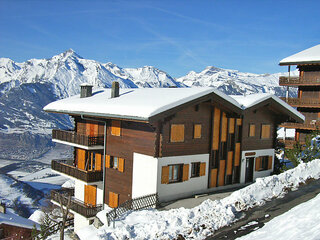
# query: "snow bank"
{"type": "Point", "coordinates": [201, 221]}
{"type": "Point", "coordinates": [68, 184]}
{"type": "Point", "coordinates": [37, 216]}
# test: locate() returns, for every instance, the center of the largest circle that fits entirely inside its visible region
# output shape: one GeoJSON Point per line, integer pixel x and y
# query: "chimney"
{"type": "Point", "coordinates": [115, 90]}
{"type": "Point", "coordinates": [86, 90]}
{"type": "Point", "coordinates": [2, 207]}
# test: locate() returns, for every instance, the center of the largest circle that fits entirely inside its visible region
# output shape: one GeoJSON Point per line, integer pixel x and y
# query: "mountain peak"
{"type": "Point", "coordinates": [70, 53]}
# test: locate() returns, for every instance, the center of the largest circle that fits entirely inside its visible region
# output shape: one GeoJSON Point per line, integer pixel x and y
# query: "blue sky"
{"type": "Point", "coordinates": [176, 36]}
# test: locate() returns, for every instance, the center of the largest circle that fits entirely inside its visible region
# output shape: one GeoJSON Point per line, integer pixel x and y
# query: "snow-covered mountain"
{"type": "Point", "coordinates": [25, 88]}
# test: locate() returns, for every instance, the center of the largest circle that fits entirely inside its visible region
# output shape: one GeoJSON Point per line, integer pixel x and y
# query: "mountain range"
{"type": "Point", "coordinates": [25, 88]}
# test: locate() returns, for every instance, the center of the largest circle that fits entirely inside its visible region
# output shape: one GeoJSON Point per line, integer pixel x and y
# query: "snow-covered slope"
{"type": "Point", "coordinates": [235, 82]}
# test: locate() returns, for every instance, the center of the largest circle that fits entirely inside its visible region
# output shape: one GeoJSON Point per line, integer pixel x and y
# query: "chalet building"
{"type": "Point", "coordinates": [308, 84]}
{"type": "Point", "coordinates": [175, 142]}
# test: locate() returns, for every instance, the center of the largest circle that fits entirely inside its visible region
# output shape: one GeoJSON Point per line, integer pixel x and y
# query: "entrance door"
{"type": "Point", "coordinates": [249, 169]}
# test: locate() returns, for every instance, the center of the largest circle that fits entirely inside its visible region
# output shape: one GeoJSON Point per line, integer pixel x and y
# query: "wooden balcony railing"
{"type": "Point", "coordinates": [308, 125]}
{"type": "Point", "coordinates": [299, 81]}
{"type": "Point", "coordinates": [289, 143]}
{"type": "Point", "coordinates": [73, 137]}
{"type": "Point", "coordinates": [303, 102]}
{"type": "Point", "coordinates": [76, 205]}
{"type": "Point", "coordinates": [66, 166]}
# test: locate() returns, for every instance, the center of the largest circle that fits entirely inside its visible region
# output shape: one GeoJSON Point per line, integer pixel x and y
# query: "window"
{"type": "Point", "coordinates": [263, 163]}
{"type": "Point", "coordinates": [177, 133]}
{"type": "Point", "coordinates": [195, 169]}
{"type": "Point", "coordinates": [252, 130]}
{"type": "Point", "coordinates": [175, 173]}
{"type": "Point", "coordinates": [115, 128]}
{"type": "Point", "coordinates": [265, 131]}
{"type": "Point", "coordinates": [196, 131]}
{"type": "Point", "coordinates": [113, 199]}
{"type": "Point", "coordinates": [115, 163]}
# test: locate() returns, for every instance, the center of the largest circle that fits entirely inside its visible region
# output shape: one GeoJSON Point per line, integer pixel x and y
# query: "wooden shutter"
{"type": "Point", "coordinates": [81, 157]}
{"type": "Point", "coordinates": [265, 131]}
{"type": "Point", "coordinates": [221, 172]}
{"type": "Point", "coordinates": [98, 165]}
{"type": "Point", "coordinates": [252, 130]}
{"type": "Point", "coordinates": [202, 169]}
{"type": "Point", "coordinates": [113, 199]}
{"type": "Point", "coordinates": [90, 194]}
{"type": "Point", "coordinates": [121, 164]}
{"type": "Point", "coordinates": [177, 133]}
{"type": "Point", "coordinates": [258, 163]}
{"type": "Point", "coordinates": [224, 127]}
{"type": "Point", "coordinates": [197, 131]}
{"type": "Point", "coordinates": [229, 162]}
{"type": "Point", "coordinates": [185, 173]}
{"type": "Point", "coordinates": [216, 129]}
{"type": "Point", "coordinates": [270, 162]}
{"type": "Point", "coordinates": [107, 161]}
{"type": "Point", "coordinates": [213, 177]}
{"type": "Point", "coordinates": [239, 121]}
{"type": "Point", "coordinates": [165, 175]}
{"type": "Point", "coordinates": [237, 155]}
{"type": "Point", "coordinates": [115, 127]}
{"type": "Point", "coordinates": [231, 125]}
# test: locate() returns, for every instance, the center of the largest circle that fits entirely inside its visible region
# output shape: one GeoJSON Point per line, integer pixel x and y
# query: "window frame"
{"type": "Point", "coordinates": [264, 160]}
{"type": "Point", "coordinates": [195, 166]}
{"type": "Point", "coordinates": [179, 168]}
{"type": "Point", "coordinates": [112, 162]}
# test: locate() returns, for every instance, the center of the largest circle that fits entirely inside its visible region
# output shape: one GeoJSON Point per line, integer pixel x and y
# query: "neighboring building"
{"type": "Point", "coordinates": [308, 84]}
{"type": "Point", "coordinates": [14, 227]}
{"type": "Point", "coordinates": [176, 142]}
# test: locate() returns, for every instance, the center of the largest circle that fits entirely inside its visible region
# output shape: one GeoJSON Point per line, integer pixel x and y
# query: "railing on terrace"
{"type": "Point", "coordinates": [147, 201]}
{"type": "Point", "coordinates": [289, 143]}
{"type": "Point", "coordinates": [302, 102]}
{"type": "Point", "coordinates": [299, 81]}
{"type": "Point", "coordinates": [308, 125]}
{"type": "Point", "coordinates": [73, 137]}
{"type": "Point", "coordinates": [66, 166]}
{"type": "Point", "coordinates": [76, 205]}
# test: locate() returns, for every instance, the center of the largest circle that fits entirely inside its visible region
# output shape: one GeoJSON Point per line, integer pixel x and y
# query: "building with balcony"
{"type": "Point", "coordinates": [308, 97]}
{"type": "Point", "coordinates": [175, 142]}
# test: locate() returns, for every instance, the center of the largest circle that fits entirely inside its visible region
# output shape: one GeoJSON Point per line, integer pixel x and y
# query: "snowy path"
{"type": "Point", "coordinates": [256, 217]}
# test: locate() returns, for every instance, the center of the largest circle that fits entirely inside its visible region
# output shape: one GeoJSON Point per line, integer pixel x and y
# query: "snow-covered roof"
{"type": "Point", "coordinates": [254, 99]}
{"type": "Point", "coordinates": [310, 55]}
{"type": "Point", "coordinates": [13, 219]}
{"type": "Point", "coordinates": [136, 103]}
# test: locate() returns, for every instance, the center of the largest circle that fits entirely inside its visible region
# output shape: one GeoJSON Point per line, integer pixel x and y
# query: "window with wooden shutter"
{"type": "Point", "coordinates": [121, 165]}
{"type": "Point", "coordinates": [107, 161]}
{"type": "Point", "coordinates": [195, 169]}
{"type": "Point", "coordinates": [202, 169]}
{"type": "Point", "coordinates": [185, 174]}
{"type": "Point", "coordinates": [270, 162]}
{"type": "Point", "coordinates": [81, 158]}
{"type": "Point", "coordinates": [252, 130]}
{"type": "Point", "coordinates": [196, 131]}
{"type": "Point", "coordinates": [165, 175]}
{"type": "Point", "coordinates": [113, 199]}
{"type": "Point", "coordinates": [258, 163]}
{"type": "Point", "coordinates": [115, 128]}
{"type": "Point", "coordinates": [265, 131]}
{"type": "Point", "coordinates": [177, 133]}
{"type": "Point", "coordinates": [98, 163]}
{"type": "Point", "coordinates": [90, 195]}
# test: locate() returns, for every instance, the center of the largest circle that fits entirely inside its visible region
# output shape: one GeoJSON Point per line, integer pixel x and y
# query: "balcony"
{"type": "Point", "coordinates": [75, 139]}
{"type": "Point", "coordinates": [67, 167]}
{"type": "Point", "coordinates": [302, 102]}
{"type": "Point", "coordinates": [308, 125]}
{"type": "Point", "coordinates": [76, 205]}
{"type": "Point", "coordinates": [289, 143]}
{"type": "Point", "coordinates": [308, 79]}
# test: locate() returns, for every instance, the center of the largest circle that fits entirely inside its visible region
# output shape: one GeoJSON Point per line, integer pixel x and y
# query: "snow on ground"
{"type": "Point", "coordinates": [201, 221]}
{"type": "Point", "coordinates": [301, 222]}
{"type": "Point", "coordinates": [37, 216]}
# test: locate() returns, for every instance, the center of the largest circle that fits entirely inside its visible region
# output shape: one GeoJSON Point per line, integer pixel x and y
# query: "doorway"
{"type": "Point", "coordinates": [249, 169]}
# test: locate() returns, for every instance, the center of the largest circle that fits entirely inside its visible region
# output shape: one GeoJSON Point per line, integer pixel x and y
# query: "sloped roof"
{"type": "Point", "coordinates": [253, 100]}
{"type": "Point", "coordinates": [13, 219]}
{"type": "Point", "coordinates": [310, 55]}
{"type": "Point", "coordinates": [136, 103]}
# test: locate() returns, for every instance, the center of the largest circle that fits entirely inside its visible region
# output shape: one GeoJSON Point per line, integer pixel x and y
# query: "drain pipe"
{"type": "Point", "coordinates": [104, 154]}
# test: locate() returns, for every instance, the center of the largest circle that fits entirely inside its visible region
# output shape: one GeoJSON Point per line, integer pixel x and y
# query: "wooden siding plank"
{"type": "Point", "coordinates": [270, 162]}
{"type": "Point", "coordinates": [197, 131]}
{"type": "Point", "coordinates": [177, 133]}
{"type": "Point", "coordinates": [121, 165]}
{"type": "Point", "coordinates": [229, 163]}
{"type": "Point", "coordinates": [202, 169]}
{"type": "Point", "coordinates": [116, 128]}
{"type": "Point", "coordinates": [258, 163]}
{"type": "Point", "coordinates": [237, 155]}
{"type": "Point", "coordinates": [231, 125]}
{"type": "Point", "coordinates": [224, 127]}
{"type": "Point", "coordinates": [165, 175]}
{"type": "Point", "coordinates": [216, 129]}
{"type": "Point", "coordinates": [222, 166]}
{"type": "Point", "coordinates": [185, 173]}
{"type": "Point", "coordinates": [213, 177]}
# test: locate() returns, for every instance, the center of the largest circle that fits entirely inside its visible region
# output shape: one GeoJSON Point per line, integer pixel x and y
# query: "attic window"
{"type": "Point", "coordinates": [115, 128]}
{"type": "Point", "coordinates": [265, 131]}
{"type": "Point", "coordinates": [196, 131]}
{"type": "Point", "coordinates": [252, 130]}
{"type": "Point", "coordinates": [177, 133]}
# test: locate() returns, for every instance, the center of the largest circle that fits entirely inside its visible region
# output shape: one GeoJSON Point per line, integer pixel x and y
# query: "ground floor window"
{"type": "Point", "coordinates": [262, 163]}
{"type": "Point", "coordinates": [175, 173]}
{"type": "Point", "coordinates": [195, 169]}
